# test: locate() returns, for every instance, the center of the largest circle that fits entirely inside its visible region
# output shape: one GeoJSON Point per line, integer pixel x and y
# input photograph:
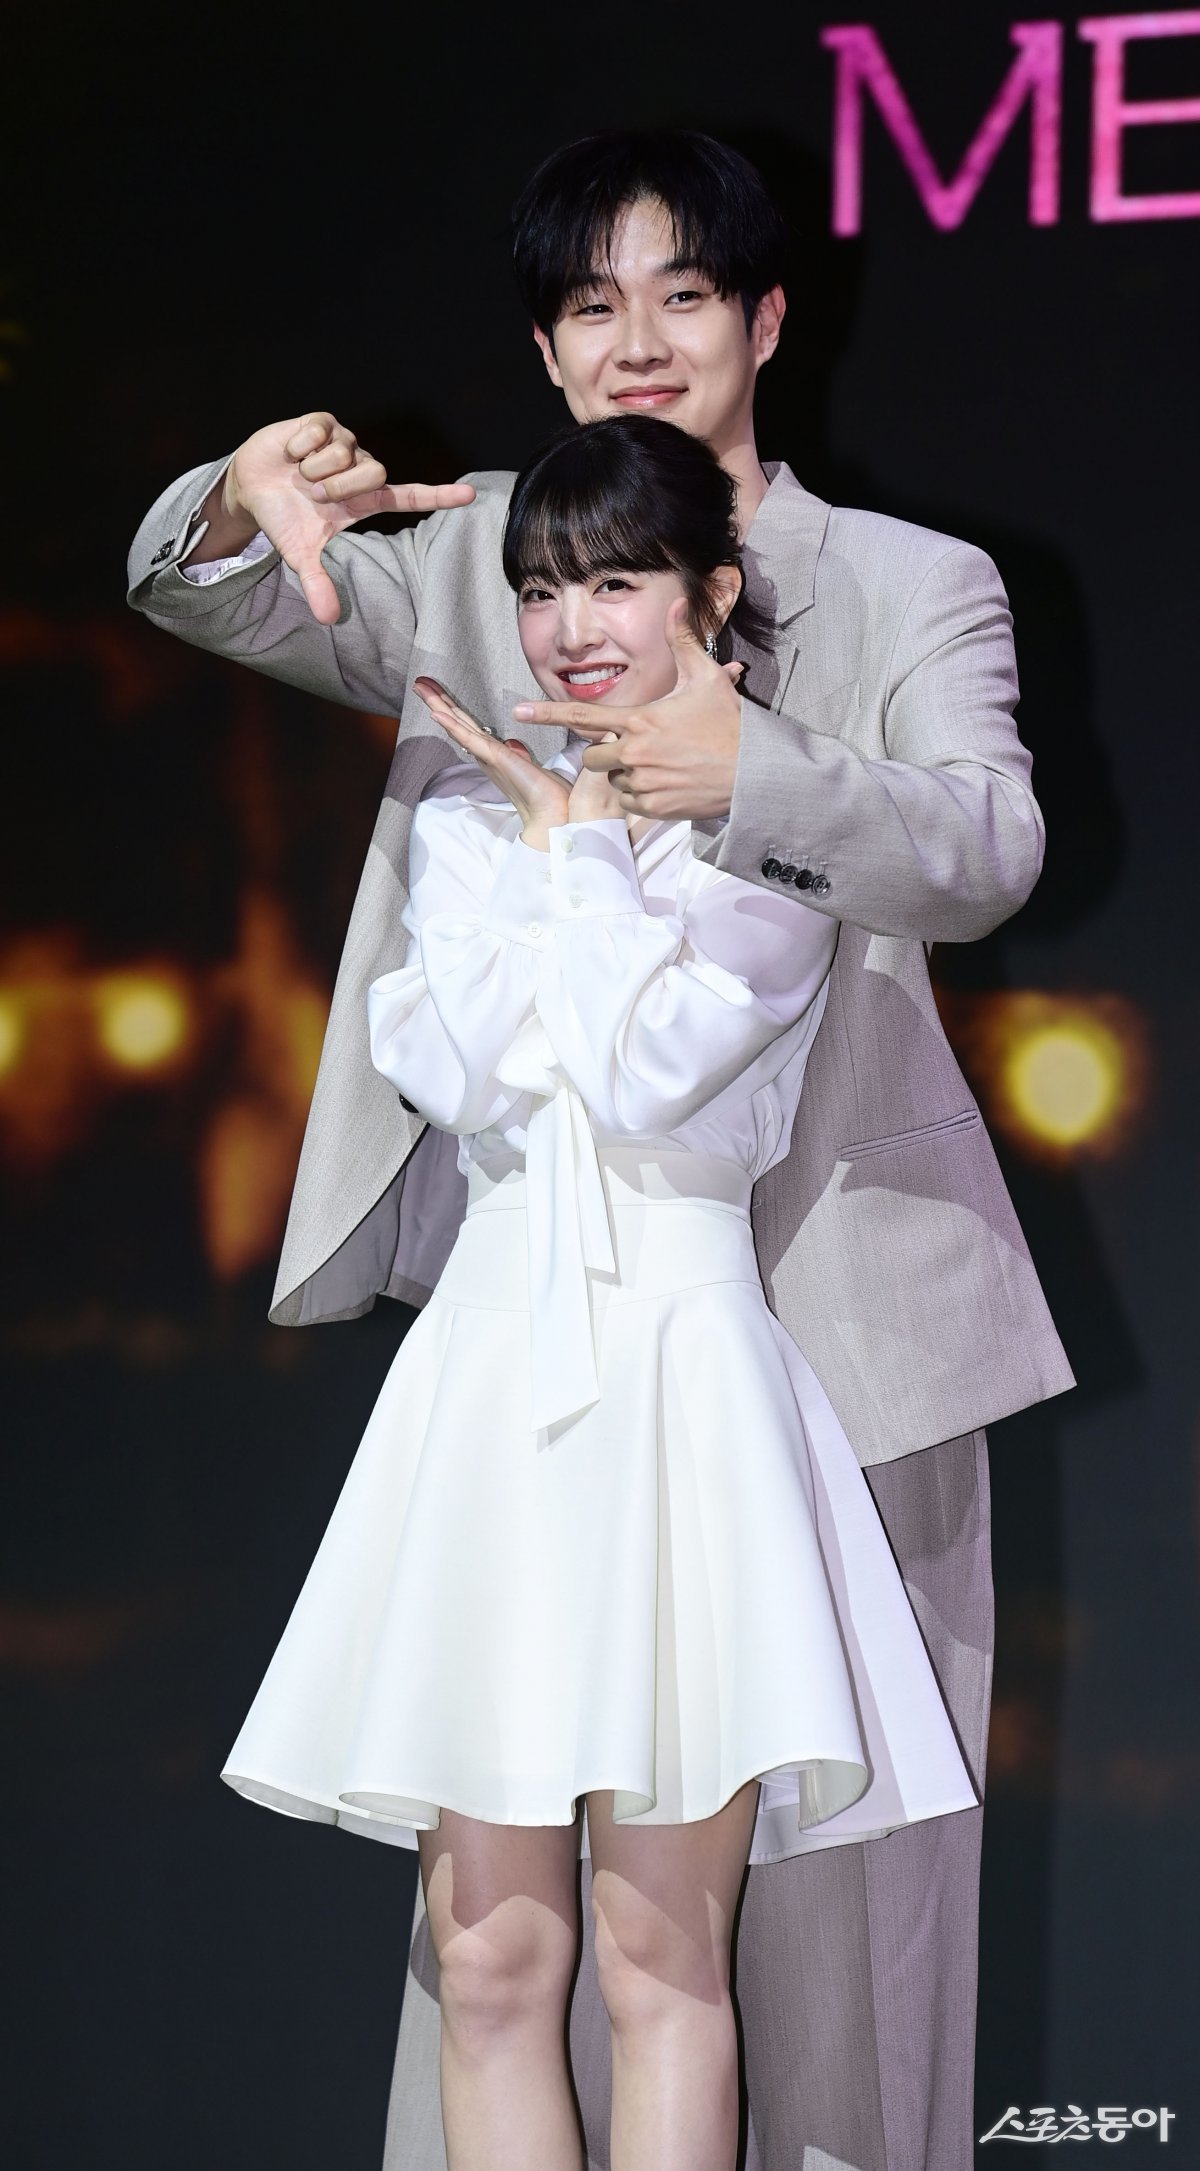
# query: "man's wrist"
{"type": "Point", "coordinates": [230, 526]}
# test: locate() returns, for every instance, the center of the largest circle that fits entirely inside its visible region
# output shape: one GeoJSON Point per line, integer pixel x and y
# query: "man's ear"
{"type": "Point", "coordinates": [547, 346]}
{"type": "Point", "coordinates": [768, 320]}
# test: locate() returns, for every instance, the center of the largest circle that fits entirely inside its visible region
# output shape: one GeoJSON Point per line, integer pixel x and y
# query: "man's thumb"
{"type": "Point", "coordinates": [679, 627]}
{"type": "Point", "coordinates": [682, 639]}
{"type": "Point", "coordinates": [319, 592]}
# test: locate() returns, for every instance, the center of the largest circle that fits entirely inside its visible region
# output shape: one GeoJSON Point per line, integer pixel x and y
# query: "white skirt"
{"type": "Point", "coordinates": [685, 1587]}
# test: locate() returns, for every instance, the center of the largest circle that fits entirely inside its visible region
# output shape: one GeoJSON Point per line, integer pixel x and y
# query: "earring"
{"type": "Point", "coordinates": [710, 646]}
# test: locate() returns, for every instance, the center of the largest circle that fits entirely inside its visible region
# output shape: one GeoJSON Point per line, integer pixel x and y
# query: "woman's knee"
{"type": "Point", "coordinates": [503, 1915]}
{"type": "Point", "coordinates": [648, 1965]}
{"type": "Point", "coordinates": [512, 1968]}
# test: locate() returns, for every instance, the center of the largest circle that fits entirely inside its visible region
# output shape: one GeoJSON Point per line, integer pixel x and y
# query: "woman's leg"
{"type": "Point", "coordinates": [664, 1898]}
{"type": "Point", "coordinates": [503, 1917]}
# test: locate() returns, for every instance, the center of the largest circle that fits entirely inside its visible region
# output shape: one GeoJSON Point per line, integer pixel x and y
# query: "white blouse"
{"type": "Point", "coordinates": [595, 994]}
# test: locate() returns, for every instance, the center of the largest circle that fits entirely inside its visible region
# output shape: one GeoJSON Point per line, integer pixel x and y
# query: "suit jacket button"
{"type": "Point", "coordinates": [770, 868]}
{"type": "Point", "coordinates": [164, 551]}
{"type": "Point", "coordinates": [821, 885]}
{"type": "Point", "coordinates": [804, 880]}
{"type": "Point", "coordinates": [787, 874]}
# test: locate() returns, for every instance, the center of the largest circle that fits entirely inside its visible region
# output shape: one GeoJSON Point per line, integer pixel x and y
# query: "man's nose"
{"type": "Point", "coordinates": [641, 341]}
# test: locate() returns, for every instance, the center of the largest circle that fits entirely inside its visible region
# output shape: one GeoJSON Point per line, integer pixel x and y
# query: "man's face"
{"type": "Point", "coordinates": [652, 337]}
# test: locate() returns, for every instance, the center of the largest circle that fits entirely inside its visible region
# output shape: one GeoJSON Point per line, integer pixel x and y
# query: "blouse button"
{"type": "Point", "coordinates": [568, 844]}
{"type": "Point", "coordinates": [534, 928]}
{"type": "Point", "coordinates": [576, 904]}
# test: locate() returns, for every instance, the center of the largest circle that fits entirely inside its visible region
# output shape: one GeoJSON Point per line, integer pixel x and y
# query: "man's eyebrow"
{"type": "Point", "coordinates": [601, 278]}
{"type": "Point", "coordinates": [589, 282]}
{"type": "Point", "coordinates": [677, 264]}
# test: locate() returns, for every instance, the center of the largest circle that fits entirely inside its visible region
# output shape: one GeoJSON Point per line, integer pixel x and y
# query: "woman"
{"type": "Point", "coordinates": [604, 1540]}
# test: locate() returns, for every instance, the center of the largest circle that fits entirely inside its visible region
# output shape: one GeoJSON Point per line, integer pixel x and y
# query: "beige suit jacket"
{"type": "Point", "coordinates": [878, 746]}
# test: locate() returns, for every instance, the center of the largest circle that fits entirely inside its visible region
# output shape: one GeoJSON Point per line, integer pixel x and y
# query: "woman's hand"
{"type": "Point", "coordinates": [594, 797]}
{"type": "Point", "coordinates": [540, 798]}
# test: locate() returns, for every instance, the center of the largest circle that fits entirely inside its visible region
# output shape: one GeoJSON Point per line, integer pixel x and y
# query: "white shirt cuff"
{"type": "Point", "coordinates": [588, 871]}
{"type": "Point", "coordinates": [593, 871]}
{"type": "Point", "coordinates": [215, 568]}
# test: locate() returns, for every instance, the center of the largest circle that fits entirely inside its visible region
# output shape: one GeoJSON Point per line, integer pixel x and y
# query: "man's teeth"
{"type": "Point", "coordinates": [592, 678]}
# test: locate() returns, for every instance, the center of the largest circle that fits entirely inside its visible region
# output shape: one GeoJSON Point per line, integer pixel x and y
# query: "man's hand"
{"type": "Point", "coordinates": [594, 796]}
{"type": "Point", "coordinates": [302, 482]}
{"type": "Point", "coordinates": [675, 759]}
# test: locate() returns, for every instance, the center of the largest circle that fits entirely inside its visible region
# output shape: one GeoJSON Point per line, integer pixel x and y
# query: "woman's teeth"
{"type": "Point", "coordinates": [592, 677]}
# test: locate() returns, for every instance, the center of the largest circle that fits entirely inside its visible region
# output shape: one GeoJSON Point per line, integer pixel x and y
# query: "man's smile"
{"type": "Point", "coordinates": [646, 396]}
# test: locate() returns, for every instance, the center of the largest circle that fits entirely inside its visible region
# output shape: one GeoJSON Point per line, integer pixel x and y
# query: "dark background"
{"type": "Point", "coordinates": [217, 218]}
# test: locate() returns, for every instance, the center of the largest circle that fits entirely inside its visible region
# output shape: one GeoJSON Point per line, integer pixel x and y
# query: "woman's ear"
{"type": "Point", "coordinates": [724, 588]}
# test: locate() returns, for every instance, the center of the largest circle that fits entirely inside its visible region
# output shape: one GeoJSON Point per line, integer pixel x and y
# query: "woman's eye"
{"type": "Point", "coordinates": [535, 595]}
{"type": "Point", "coordinates": [614, 581]}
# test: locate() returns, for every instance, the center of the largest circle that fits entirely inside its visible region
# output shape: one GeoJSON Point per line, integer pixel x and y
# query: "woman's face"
{"type": "Point", "coordinates": [603, 639]}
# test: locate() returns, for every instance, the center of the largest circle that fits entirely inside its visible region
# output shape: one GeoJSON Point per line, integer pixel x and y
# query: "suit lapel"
{"type": "Point", "coordinates": [782, 546]}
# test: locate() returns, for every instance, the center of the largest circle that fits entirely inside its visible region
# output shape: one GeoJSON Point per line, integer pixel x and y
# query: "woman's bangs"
{"type": "Point", "coordinates": [569, 537]}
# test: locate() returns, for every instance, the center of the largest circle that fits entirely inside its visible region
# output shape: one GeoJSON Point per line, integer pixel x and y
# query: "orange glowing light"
{"type": "Point", "coordinates": [1063, 1075]}
{"type": "Point", "coordinates": [1066, 1082]}
{"type": "Point", "coordinates": [12, 1033]}
{"type": "Point", "coordinates": [142, 1019]}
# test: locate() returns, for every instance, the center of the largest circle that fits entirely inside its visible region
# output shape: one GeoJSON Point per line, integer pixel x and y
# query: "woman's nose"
{"type": "Point", "coordinates": [577, 627]}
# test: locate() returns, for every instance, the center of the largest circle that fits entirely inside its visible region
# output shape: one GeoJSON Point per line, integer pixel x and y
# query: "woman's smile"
{"type": "Point", "coordinates": [591, 682]}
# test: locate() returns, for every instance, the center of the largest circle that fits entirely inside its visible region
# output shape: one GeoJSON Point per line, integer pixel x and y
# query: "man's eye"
{"type": "Point", "coordinates": [687, 294]}
{"type": "Point", "coordinates": [592, 309]}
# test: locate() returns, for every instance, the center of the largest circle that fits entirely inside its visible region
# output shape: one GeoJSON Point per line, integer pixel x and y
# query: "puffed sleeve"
{"type": "Point", "coordinates": [653, 1015]}
{"type": "Point", "coordinates": [440, 1024]}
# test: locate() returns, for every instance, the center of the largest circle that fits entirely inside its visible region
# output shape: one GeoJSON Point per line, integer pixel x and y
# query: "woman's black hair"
{"type": "Point", "coordinates": [725, 224]}
{"type": "Point", "coordinates": [630, 494]}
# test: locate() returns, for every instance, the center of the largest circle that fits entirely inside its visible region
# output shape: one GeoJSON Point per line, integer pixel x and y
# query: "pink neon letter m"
{"type": "Point", "coordinates": [862, 65]}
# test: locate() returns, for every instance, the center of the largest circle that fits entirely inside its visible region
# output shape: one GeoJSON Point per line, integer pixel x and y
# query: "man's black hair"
{"type": "Point", "coordinates": [725, 223]}
{"type": "Point", "coordinates": [629, 494]}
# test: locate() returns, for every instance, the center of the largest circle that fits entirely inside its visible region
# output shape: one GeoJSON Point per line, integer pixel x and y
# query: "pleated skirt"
{"type": "Point", "coordinates": [684, 1587]}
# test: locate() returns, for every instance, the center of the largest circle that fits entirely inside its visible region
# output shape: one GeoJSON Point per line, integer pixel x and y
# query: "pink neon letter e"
{"type": "Point", "coordinates": [1112, 115]}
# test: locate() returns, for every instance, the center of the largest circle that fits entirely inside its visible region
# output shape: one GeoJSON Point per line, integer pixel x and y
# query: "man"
{"type": "Point", "coordinates": [870, 765]}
